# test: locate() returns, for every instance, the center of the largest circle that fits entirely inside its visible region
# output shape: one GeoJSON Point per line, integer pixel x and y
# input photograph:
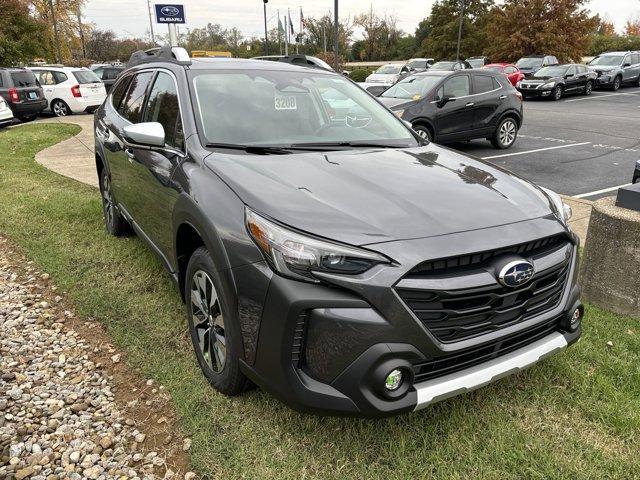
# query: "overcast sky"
{"type": "Point", "coordinates": [130, 17]}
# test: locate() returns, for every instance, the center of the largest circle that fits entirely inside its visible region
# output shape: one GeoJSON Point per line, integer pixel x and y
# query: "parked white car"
{"type": "Point", "coordinates": [6, 115]}
{"type": "Point", "coordinates": [389, 74]}
{"type": "Point", "coordinates": [70, 90]}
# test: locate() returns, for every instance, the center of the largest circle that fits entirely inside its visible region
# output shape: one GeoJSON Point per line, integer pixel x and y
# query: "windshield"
{"type": "Point", "coordinates": [495, 68]}
{"type": "Point", "coordinates": [551, 72]}
{"type": "Point", "coordinates": [284, 108]}
{"type": "Point", "coordinates": [607, 60]}
{"type": "Point", "coordinates": [529, 62]}
{"type": "Point", "coordinates": [85, 76]}
{"type": "Point", "coordinates": [24, 79]}
{"type": "Point", "coordinates": [442, 66]}
{"type": "Point", "coordinates": [413, 88]}
{"type": "Point", "coordinates": [389, 69]}
{"type": "Point", "coordinates": [417, 64]}
{"type": "Point", "coordinates": [476, 63]}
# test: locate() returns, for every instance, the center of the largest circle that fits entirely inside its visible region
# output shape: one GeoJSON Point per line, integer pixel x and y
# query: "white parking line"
{"type": "Point", "coordinates": [593, 97]}
{"type": "Point", "coordinates": [534, 151]}
{"type": "Point", "coordinates": [598, 192]}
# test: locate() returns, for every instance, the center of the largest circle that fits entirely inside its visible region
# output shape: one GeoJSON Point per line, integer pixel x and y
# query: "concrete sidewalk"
{"type": "Point", "coordinates": [579, 222]}
{"type": "Point", "coordinates": [74, 157]}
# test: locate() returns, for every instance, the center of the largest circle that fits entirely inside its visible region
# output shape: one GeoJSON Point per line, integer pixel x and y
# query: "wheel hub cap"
{"type": "Point", "coordinates": [507, 133]}
{"type": "Point", "coordinates": [208, 321]}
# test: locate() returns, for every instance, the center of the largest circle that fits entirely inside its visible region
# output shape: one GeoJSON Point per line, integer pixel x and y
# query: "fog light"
{"type": "Point", "coordinates": [575, 318]}
{"type": "Point", "coordinates": [393, 380]}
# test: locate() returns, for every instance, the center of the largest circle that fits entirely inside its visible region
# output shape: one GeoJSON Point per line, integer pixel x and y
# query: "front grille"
{"type": "Point", "coordinates": [447, 364]}
{"type": "Point", "coordinates": [454, 315]}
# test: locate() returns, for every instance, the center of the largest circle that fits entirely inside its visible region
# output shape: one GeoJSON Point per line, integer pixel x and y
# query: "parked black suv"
{"type": "Point", "coordinates": [325, 251]}
{"type": "Point", "coordinates": [452, 106]}
{"type": "Point", "coordinates": [22, 92]}
{"type": "Point", "coordinates": [557, 81]}
{"type": "Point", "coordinates": [108, 74]}
{"type": "Point", "coordinates": [615, 69]}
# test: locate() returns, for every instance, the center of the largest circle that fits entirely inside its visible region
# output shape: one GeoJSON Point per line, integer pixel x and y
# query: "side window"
{"type": "Point", "coordinates": [163, 107]}
{"type": "Point", "coordinates": [133, 101]}
{"type": "Point", "coordinates": [99, 72]}
{"type": "Point", "coordinates": [45, 78]}
{"type": "Point", "coordinates": [60, 77]}
{"type": "Point", "coordinates": [118, 92]}
{"type": "Point", "coordinates": [636, 58]}
{"type": "Point", "coordinates": [571, 71]}
{"type": "Point", "coordinates": [483, 84]}
{"type": "Point", "coordinates": [456, 87]}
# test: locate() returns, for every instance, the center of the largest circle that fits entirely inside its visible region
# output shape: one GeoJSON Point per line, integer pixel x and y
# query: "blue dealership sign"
{"type": "Point", "coordinates": [170, 13]}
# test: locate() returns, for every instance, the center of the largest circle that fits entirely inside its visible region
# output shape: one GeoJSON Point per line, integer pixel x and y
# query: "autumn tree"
{"type": "Point", "coordinates": [443, 23]}
{"type": "Point", "coordinates": [380, 35]}
{"type": "Point", "coordinates": [62, 36]}
{"type": "Point", "coordinates": [19, 33]}
{"type": "Point", "coordinates": [632, 27]}
{"type": "Point", "coordinates": [320, 31]}
{"type": "Point", "coordinates": [606, 27]}
{"type": "Point", "coordinates": [525, 27]}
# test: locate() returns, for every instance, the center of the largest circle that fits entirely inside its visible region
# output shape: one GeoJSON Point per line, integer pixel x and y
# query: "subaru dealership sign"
{"type": "Point", "coordinates": [172, 13]}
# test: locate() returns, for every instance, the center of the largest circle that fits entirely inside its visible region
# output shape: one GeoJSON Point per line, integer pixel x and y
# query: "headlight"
{"type": "Point", "coordinates": [518, 84]}
{"type": "Point", "coordinates": [561, 209]}
{"type": "Point", "coordinates": [549, 85]}
{"type": "Point", "coordinates": [296, 256]}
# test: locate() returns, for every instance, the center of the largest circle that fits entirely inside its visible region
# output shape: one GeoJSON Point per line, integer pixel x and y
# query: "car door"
{"type": "Point", "coordinates": [571, 80]}
{"type": "Point", "coordinates": [152, 170]}
{"type": "Point", "coordinates": [129, 109]}
{"type": "Point", "coordinates": [628, 72]}
{"type": "Point", "coordinates": [487, 99]}
{"type": "Point", "coordinates": [635, 66]}
{"type": "Point", "coordinates": [455, 118]}
{"type": "Point", "coordinates": [48, 84]}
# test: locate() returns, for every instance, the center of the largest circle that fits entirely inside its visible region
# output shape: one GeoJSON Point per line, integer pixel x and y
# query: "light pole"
{"type": "Point", "coordinates": [460, 29]}
{"type": "Point", "coordinates": [335, 36]}
{"type": "Point", "coordinates": [266, 45]}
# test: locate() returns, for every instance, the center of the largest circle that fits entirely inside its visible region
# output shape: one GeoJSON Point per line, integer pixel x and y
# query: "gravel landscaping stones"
{"type": "Point", "coordinates": [59, 415]}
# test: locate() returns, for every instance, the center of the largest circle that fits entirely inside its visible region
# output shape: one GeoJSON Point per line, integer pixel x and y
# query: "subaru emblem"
{"type": "Point", "coordinates": [170, 11]}
{"type": "Point", "coordinates": [516, 273]}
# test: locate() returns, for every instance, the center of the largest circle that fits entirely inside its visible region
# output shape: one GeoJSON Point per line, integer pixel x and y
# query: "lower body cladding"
{"type": "Point", "coordinates": [384, 345]}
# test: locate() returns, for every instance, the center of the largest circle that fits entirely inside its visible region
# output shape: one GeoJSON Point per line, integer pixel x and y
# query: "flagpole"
{"type": "Point", "coordinates": [279, 34]}
{"type": "Point", "coordinates": [286, 36]}
{"type": "Point", "coordinates": [299, 38]}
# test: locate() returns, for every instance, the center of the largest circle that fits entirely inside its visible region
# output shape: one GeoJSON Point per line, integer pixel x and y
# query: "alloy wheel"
{"type": "Point", "coordinates": [208, 321]}
{"type": "Point", "coordinates": [616, 83]}
{"type": "Point", "coordinates": [60, 109]}
{"type": "Point", "coordinates": [507, 132]}
{"type": "Point", "coordinates": [588, 89]}
{"type": "Point", "coordinates": [423, 134]}
{"type": "Point", "coordinates": [557, 93]}
{"type": "Point", "coordinates": [107, 199]}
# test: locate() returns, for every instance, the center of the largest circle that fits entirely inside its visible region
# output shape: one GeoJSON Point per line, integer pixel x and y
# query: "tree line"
{"type": "Point", "coordinates": [53, 30]}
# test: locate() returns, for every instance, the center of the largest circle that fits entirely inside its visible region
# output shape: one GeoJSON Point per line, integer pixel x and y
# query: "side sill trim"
{"type": "Point", "coordinates": [475, 377]}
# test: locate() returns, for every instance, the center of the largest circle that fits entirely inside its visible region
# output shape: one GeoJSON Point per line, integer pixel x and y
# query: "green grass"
{"type": "Point", "coordinates": [574, 416]}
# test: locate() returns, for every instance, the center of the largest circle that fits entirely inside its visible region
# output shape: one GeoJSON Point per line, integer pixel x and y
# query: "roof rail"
{"type": "Point", "coordinates": [176, 55]}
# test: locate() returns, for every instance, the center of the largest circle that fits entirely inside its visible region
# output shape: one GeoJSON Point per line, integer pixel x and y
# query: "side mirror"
{"type": "Point", "coordinates": [408, 124]}
{"type": "Point", "coordinates": [148, 134]}
{"type": "Point", "coordinates": [568, 75]}
{"type": "Point", "coordinates": [444, 100]}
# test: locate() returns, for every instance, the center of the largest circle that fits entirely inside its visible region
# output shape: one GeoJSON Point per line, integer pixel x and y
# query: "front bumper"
{"type": "Point", "coordinates": [327, 348]}
{"type": "Point", "coordinates": [535, 92]}
{"type": "Point", "coordinates": [605, 80]}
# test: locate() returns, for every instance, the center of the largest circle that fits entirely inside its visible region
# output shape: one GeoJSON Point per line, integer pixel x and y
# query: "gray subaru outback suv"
{"type": "Point", "coordinates": [324, 251]}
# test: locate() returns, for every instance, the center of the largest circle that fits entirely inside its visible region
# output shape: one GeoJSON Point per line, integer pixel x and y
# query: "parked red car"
{"type": "Point", "coordinates": [512, 72]}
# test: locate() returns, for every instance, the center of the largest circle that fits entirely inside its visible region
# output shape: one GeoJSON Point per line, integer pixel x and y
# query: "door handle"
{"type": "Point", "coordinates": [130, 155]}
{"type": "Point", "coordinates": [502, 97]}
{"type": "Point", "coordinates": [470, 104]}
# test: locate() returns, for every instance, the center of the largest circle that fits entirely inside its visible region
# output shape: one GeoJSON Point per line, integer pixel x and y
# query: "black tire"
{"type": "Point", "coordinates": [505, 134]}
{"type": "Point", "coordinates": [588, 89]}
{"type": "Point", "coordinates": [423, 132]}
{"type": "Point", "coordinates": [114, 222]}
{"type": "Point", "coordinates": [59, 108]}
{"type": "Point", "coordinates": [27, 118]}
{"type": "Point", "coordinates": [617, 83]}
{"type": "Point", "coordinates": [556, 93]}
{"type": "Point", "coordinates": [638, 82]}
{"type": "Point", "coordinates": [215, 336]}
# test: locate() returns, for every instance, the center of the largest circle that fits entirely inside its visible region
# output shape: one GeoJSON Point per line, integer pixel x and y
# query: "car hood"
{"type": "Point", "coordinates": [362, 197]}
{"type": "Point", "coordinates": [395, 103]}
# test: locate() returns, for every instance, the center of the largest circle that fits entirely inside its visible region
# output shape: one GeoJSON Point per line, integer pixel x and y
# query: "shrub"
{"type": "Point", "coordinates": [360, 74]}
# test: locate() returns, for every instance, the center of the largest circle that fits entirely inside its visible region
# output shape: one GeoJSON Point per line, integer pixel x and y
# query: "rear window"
{"type": "Point", "coordinates": [85, 76]}
{"type": "Point", "coordinates": [24, 79]}
{"type": "Point", "coordinates": [483, 84]}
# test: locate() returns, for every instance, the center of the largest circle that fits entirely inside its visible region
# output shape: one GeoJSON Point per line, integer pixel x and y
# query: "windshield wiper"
{"type": "Point", "coordinates": [259, 149]}
{"type": "Point", "coordinates": [320, 145]}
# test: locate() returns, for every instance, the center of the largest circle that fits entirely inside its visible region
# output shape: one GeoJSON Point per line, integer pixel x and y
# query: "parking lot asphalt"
{"type": "Point", "coordinates": [580, 146]}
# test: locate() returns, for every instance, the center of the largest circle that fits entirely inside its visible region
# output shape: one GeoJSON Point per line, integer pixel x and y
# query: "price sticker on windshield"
{"type": "Point", "coordinates": [286, 103]}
